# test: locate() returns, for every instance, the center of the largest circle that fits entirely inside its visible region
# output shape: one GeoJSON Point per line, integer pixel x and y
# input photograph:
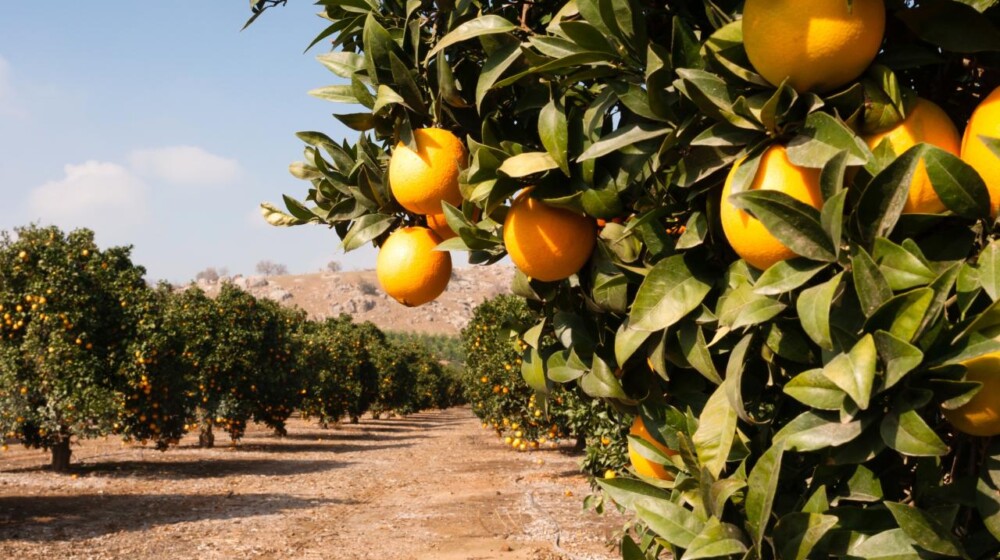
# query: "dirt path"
{"type": "Point", "coordinates": [430, 486]}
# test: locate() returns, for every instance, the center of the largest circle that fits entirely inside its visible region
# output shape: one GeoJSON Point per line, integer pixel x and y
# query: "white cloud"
{"type": "Point", "coordinates": [185, 165]}
{"type": "Point", "coordinates": [102, 196]}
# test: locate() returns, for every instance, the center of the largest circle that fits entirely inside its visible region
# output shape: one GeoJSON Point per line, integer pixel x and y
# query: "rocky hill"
{"type": "Point", "coordinates": [328, 294]}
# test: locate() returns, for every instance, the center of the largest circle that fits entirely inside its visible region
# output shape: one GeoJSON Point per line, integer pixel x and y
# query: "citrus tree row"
{"type": "Point", "coordinates": [88, 349]}
{"type": "Point", "coordinates": [795, 287]}
{"type": "Point", "coordinates": [521, 417]}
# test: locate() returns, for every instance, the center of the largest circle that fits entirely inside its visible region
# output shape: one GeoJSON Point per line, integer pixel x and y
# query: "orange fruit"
{"type": "Point", "coordinates": [746, 234]}
{"type": "Point", "coordinates": [985, 121]}
{"type": "Point", "coordinates": [547, 243]}
{"type": "Point", "coordinates": [981, 415]}
{"type": "Point", "coordinates": [420, 180]}
{"type": "Point", "coordinates": [439, 225]}
{"type": "Point", "coordinates": [928, 123]}
{"type": "Point", "coordinates": [642, 465]}
{"type": "Point", "coordinates": [818, 47]}
{"type": "Point", "coordinates": [409, 269]}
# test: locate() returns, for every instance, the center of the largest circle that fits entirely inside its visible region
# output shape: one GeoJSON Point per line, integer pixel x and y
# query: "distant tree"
{"type": "Point", "coordinates": [210, 274]}
{"type": "Point", "coordinates": [367, 288]}
{"type": "Point", "coordinates": [333, 266]}
{"type": "Point", "coordinates": [268, 268]}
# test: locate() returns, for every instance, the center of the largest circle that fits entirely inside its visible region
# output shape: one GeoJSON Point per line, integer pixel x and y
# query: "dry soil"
{"type": "Point", "coordinates": [429, 486]}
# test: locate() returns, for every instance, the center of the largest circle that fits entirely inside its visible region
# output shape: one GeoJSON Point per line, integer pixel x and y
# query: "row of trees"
{"type": "Point", "coordinates": [88, 349]}
{"type": "Point", "coordinates": [521, 415]}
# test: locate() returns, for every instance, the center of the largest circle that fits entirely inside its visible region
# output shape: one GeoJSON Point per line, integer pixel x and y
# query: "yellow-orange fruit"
{"type": "Point", "coordinates": [981, 415]}
{"type": "Point", "coordinates": [421, 179]}
{"type": "Point", "coordinates": [818, 45]}
{"type": "Point", "coordinates": [409, 269]}
{"type": "Point", "coordinates": [985, 121]}
{"type": "Point", "coordinates": [642, 465]}
{"type": "Point", "coordinates": [746, 234]}
{"type": "Point", "coordinates": [547, 243]}
{"type": "Point", "coordinates": [927, 123]}
{"type": "Point", "coordinates": [439, 225]}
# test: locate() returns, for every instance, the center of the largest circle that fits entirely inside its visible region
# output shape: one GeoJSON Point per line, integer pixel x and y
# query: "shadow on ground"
{"type": "Point", "coordinates": [63, 518]}
{"type": "Point", "coordinates": [214, 467]}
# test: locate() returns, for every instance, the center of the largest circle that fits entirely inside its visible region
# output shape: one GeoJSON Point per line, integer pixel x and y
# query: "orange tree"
{"type": "Point", "coordinates": [64, 337]}
{"type": "Point", "coordinates": [816, 346]}
{"type": "Point", "coordinates": [158, 388]}
{"type": "Point", "coordinates": [343, 375]}
{"type": "Point", "coordinates": [278, 381]}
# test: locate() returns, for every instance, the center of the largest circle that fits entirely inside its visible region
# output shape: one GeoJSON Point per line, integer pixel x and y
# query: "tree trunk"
{"type": "Point", "coordinates": [581, 443]}
{"type": "Point", "coordinates": [355, 419]}
{"type": "Point", "coordinates": [206, 438]}
{"type": "Point", "coordinates": [60, 455]}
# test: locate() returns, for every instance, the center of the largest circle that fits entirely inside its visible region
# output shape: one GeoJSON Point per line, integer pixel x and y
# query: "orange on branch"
{"type": "Point", "coordinates": [547, 243]}
{"type": "Point", "coordinates": [985, 123]}
{"type": "Point", "coordinates": [746, 234]}
{"type": "Point", "coordinates": [421, 179]}
{"type": "Point", "coordinates": [409, 269]}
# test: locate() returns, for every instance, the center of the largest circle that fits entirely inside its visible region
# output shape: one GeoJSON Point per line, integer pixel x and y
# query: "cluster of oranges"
{"type": "Point", "coordinates": [818, 50]}
{"type": "Point", "coordinates": [545, 242]}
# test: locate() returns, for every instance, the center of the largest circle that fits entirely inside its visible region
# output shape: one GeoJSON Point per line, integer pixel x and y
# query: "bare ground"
{"type": "Point", "coordinates": [430, 486]}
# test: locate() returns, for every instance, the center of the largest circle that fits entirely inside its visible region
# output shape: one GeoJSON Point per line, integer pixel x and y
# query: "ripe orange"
{"type": "Point", "coordinates": [985, 121]}
{"type": "Point", "coordinates": [818, 47]}
{"type": "Point", "coordinates": [409, 269]}
{"type": "Point", "coordinates": [746, 234]}
{"type": "Point", "coordinates": [926, 122]}
{"type": "Point", "coordinates": [641, 464]}
{"type": "Point", "coordinates": [547, 243]}
{"type": "Point", "coordinates": [439, 225]}
{"type": "Point", "coordinates": [421, 180]}
{"type": "Point", "coordinates": [981, 415]}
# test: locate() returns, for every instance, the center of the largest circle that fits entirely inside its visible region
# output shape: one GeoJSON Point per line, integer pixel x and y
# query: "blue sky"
{"type": "Point", "coordinates": [161, 125]}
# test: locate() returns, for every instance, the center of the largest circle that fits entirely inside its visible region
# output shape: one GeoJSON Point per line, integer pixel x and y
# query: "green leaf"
{"type": "Point", "coordinates": [696, 352]}
{"type": "Point", "coordinates": [902, 315]}
{"type": "Point", "coordinates": [812, 431]}
{"type": "Point", "coordinates": [343, 64]}
{"type": "Point", "coordinates": [533, 371]}
{"type": "Point", "coordinates": [276, 217]}
{"type": "Point", "coordinates": [385, 97]}
{"type": "Point", "coordinates": [554, 133]}
{"type": "Point", "coordinates": [336, 94]}
{"type": "Point", "coordinates": [823, 138]}
{"type": "Point", "coordinates": [925, 530]}
{"type": "Point", "coordinates": [716, 432]}
{"type": "Point", "coordinates": [762, 486]}
{"type": "Point", "coordinates": [498, 62]}
{"type": "Point", "coordinates": [743, 307]}
{"type": "Point", "coordinates": [796, 534]}
{"type": "Point", "coordinates": [366, 229]}
{"type": "Point", "coordinates": [882, 201]}
{"type": "Point", "coordinates": [864, 486]}
{"type": "Point", "coordinates": [887, 545]}
{"type": "Point", "coordinates": [988, 502]}
{"type": "Point", "coordinates": [832, 218]}
{"type": "Point", "coordinates": [675, 524]}
{"type": "Point", "coordinates": [788, 275]}
{"type": "Point", "coordinates": [953, 26]}
{"type": "Point", "coordinates": [813, 306]}
{"type": "Point", "coordinates": [627, 491]}
{"type": "Point", "coordinates": [908, 434]}
{"type": "Point", "coordinates": [671, 290]}
{"type": "Point", "coordinates": [716, 540]}
{"type": "Point", "coordinates": [622, 138]}
{"type": "Point", "coordinates": [854, 372]}
{"type": "Point", "coordinates": [900, 357]}
{"type": "Point", "coordinates": [528, 163]}
{"type": "Point", "coordinates": [482, 25]}
{"type": "Point", "coordinates": [989, 270]}
{"type": "Point", "coordinates": [871, 286]}
{"type": "Point", "coordinates": [795, 224]}
{"type": "Point", "coordinates": [902, 269]}
{"type": "Point", "coordinates": [601, 382]}
{"type": "Point", "coordinates": [957, 184]}
{"type": "Point", "coordinates": [627, 342]}
{"type": "Point", "coordinates": [815, 390]}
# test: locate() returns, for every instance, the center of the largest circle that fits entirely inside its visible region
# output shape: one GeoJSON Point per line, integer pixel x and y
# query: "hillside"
{"type": "Point", "coordinates": [328, 294]}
